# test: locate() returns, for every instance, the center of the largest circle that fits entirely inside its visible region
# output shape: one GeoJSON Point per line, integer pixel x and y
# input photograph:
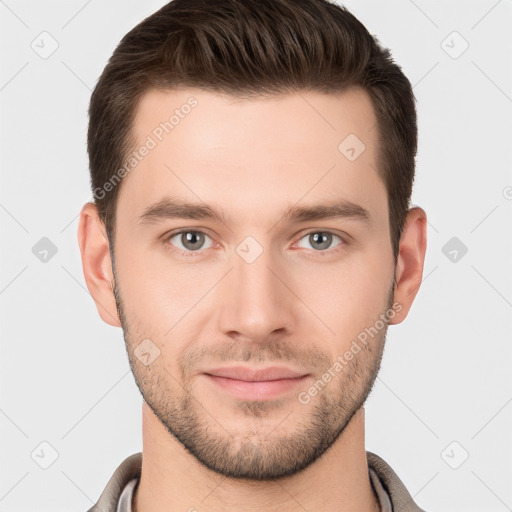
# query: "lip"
{"type": "Point", "coordinates": [255, 384]}
{"type": "Point", "coordinates": [254, 374]}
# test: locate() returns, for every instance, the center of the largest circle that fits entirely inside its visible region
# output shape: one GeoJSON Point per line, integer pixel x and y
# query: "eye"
{"type": "Point", "coordinates": [189, 240]}
{"type": "Point", "coordinates": [321, 240]}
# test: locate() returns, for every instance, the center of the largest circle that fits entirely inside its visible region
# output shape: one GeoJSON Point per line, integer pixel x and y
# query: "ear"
{"type": "Point", "coordinates": [97, 264]}
{"type": "Point", "coordinates": [411, 257]}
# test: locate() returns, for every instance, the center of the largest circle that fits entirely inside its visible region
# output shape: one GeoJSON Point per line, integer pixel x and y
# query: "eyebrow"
{"type": "Point", "coordinates": [168, 208]}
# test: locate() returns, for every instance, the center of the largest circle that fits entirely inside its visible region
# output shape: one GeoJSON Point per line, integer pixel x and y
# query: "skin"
{"type": "Point", "coordinates": [299, 304]}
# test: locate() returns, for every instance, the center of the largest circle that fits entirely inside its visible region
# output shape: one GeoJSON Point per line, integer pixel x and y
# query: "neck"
{"type": "Point", "coordinates": [173, 480]}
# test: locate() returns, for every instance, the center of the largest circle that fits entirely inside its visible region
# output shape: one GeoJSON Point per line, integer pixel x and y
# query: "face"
{"type": "Point", "coordinates": [287, 265]}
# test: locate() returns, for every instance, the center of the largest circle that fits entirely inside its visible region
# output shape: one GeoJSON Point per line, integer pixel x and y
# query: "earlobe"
{"type": "Point", "coordinates": [411, 258]}
{"type": "Point", "coordinates": [97, 264]}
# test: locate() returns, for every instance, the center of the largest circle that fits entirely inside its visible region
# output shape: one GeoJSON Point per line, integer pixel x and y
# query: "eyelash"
{"type": "Point", "coordinates": [198, 253]}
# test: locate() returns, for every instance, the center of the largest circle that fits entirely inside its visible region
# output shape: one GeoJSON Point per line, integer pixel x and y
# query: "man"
{"type": "Point", "coordinates": [252, 164]}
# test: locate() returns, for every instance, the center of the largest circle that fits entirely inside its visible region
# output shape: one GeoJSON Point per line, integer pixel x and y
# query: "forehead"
{"type": "Point", "coordinates": [297, 117]}
{"type": "Point", "coordinates": [211, 147]}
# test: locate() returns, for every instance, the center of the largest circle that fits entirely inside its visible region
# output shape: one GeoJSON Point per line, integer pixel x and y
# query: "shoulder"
{"type": "Point", "coordinates": [398, 493]}
{"type": "Point", "coordinates": [129, 469]}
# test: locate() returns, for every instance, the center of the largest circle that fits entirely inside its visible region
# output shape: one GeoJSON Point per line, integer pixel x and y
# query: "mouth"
{"type": "Point", "coordinates": [255, 384]}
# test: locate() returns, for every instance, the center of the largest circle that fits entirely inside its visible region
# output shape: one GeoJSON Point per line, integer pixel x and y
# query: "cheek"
{"type": "Point", "coordinates": [347, 297]}
{"type": "Point", "coordinates": [161, 298]}
{"type": "Point", "coordinates": [144, 289]}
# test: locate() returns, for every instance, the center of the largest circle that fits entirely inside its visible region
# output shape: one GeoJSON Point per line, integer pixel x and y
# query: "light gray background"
{"type": "Point", "coordinates": [446, 377]}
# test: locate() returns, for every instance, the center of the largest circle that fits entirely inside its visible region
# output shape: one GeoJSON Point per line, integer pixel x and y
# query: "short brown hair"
{"type": "Point", "coordinates": [249, 48]}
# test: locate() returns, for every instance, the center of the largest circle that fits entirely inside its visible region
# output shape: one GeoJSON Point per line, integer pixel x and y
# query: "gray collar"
{"type": "Point", "coordinates": [389, 489]}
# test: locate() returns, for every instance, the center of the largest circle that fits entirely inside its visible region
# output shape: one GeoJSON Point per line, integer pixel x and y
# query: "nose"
{"type": "Point", "coordinates": [255, 300]}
